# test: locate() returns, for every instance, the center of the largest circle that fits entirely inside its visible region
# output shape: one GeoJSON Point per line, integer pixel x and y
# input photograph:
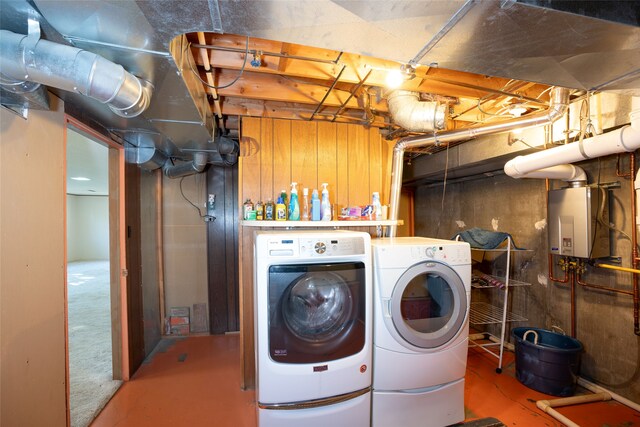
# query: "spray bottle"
{"type": "Point", "coordinates": [294, 205]}
{"type": "Point", "coordinates": [305, 204]}
{"type": "Point", "coordinates": [325, 206]}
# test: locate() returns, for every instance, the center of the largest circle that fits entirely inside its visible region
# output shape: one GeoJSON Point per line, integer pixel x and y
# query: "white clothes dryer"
{"type": "Point", "coordinates": [422, 293]}
{"type": "Point", "coordinates": [313, 328]}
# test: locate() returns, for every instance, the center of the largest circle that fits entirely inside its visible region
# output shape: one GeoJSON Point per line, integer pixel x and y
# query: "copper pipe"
{"type": "Point", "coordinates": [618, 173]}
{"type": "Point", "coordinates": [602, 288]}
{"type": "Point", "coordinates": [634, 246]}
{"type": "Point", "coordinates": [573, 304]}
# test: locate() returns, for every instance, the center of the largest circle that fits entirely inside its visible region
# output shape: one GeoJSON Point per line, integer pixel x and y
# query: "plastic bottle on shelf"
{"type": "Point", "coordinates": [315, 206]}
{"type": "Point", "coordinates": [305, 204]}
{"type": "Point", "coordinates": [259, 211]}
{"type": "Point", "coordinates": [269, 210]}
{"type": "Point", "coordinates": [377, 207]}
{"type": "Point", "coordinates": [325, 206]}
{"type": "Point", "coordinates": [283, 196]}
{"type": "Point", "coordinates": [294, 204]}
{"type": "Point", "coordinates": [281, 210]}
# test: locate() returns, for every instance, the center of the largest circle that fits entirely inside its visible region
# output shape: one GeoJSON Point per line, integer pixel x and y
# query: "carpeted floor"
{"type": "Point", "coordinates": [90, 372]}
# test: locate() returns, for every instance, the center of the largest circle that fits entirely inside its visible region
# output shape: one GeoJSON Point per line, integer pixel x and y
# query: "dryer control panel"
{"type": "Point", "coordinates": [450, 254]}
{"type": "Point", "coordinates": [313, 247]}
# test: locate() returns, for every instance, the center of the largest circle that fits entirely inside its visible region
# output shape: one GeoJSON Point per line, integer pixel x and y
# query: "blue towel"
{"type": "Point", "coordinates": [484, 239]}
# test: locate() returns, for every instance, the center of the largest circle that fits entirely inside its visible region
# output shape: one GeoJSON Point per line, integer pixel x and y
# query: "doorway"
{"type": "Point", "coordinates": [93, 321]}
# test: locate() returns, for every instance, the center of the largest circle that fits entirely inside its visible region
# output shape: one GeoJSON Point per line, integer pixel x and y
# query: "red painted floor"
{"type": "Point", "coordinates": [196, 382]}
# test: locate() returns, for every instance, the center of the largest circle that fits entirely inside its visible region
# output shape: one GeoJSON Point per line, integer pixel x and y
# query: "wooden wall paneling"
{"type": "Point", "coordinates": [358, 153]}
{"type": "Point", "coordinates": [386, 162]}
{"type": "Point", "coordinates": [249, 185]}
{"type": "Point", "coordinates": [341, 190]}
{"type": "Point", "coordinates": [281, 156]}
{"type": "Point", "coordinates": [327, 162]}
{"type": "Point", "coordinates": [304, 154]}
{"type": "Point", "coordinates": [266, 161]}
{"type": "Point", "coordinates": [375, 163]}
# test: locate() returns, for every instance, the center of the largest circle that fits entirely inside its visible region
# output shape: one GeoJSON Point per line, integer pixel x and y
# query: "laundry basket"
{"type": "Point", "coordinates": [546, 361]}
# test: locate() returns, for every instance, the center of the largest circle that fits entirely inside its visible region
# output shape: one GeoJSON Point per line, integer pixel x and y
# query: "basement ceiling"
{"type": "Point", "coordinates": [212, 62]}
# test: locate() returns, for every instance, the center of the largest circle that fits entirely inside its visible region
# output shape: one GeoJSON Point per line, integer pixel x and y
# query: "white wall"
{"type": "Point", "coordinates": [87, 228]}
{"type": "Point", "coordinates": [184, 242]}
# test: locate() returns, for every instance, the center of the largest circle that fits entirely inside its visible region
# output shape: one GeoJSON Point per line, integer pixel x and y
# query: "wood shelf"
{"type": "Point", "coordinates": [318, 224]}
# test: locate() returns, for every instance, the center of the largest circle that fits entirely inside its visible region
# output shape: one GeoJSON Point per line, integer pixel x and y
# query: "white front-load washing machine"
{"type": "Point", "coordinates": [313, 328]}
{"type": "Point", "coordinates": [421, 297]}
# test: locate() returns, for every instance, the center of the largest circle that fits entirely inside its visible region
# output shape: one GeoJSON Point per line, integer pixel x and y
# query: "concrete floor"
{"type": "Point", "coordinates": [196, 382]}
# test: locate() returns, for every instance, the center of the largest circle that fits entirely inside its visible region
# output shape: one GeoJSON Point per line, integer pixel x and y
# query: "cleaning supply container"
{"type": "Point", "coordinates": [547, 361]}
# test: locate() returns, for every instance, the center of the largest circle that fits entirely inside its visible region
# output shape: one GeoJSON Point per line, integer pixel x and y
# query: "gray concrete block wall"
{"type": "Point", "coordinates": [604, 321]}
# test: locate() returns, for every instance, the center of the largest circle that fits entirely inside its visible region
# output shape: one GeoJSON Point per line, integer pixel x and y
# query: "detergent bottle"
{"type": "Point", "coordinates": [294, 205]}
{"type": "Point", "coordinates": [315, 206]}
{"type": "Point", "coordinates": [325, 206]}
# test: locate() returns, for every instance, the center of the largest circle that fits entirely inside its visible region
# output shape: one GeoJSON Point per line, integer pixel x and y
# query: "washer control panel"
{"type": "Point", "coordinates": [313, 247]}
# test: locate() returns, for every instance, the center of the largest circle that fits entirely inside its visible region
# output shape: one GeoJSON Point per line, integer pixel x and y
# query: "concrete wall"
{"type": "Point", "coordinates": [87, 228]}
{"type": "Point", "coordinates": [32, 268]}
{"type": "Point", "coordinates": [604, 321]}
{"type": "Point", "coordinates": [185, 243]}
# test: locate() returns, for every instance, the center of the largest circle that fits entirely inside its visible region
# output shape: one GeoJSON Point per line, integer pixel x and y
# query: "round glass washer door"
{"type": "Point", "coordinates": [429, 305]}
{"type": "Point", "coordinates": [318, 306]}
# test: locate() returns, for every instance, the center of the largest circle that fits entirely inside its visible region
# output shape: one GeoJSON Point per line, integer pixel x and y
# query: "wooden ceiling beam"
{"type": "Point", "coordinates": [280, 88]}
{"type": "Point", "coordinates": [293, 111]}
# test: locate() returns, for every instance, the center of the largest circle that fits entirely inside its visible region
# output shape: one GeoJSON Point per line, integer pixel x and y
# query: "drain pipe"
{"type": "Point", "coordinates": [197, 165]}
{"type": "Point", "coordinates": [620, 140]}
{"type": "Point", "coordinates": [65, 67]}
{"type": "Point", "coordinates": [558, 106]}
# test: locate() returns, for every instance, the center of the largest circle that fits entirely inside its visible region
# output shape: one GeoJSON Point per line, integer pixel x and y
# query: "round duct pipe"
{"type": "Point", "coordinates": [75, 70]}
{"type": "Point", "coordinates": [412, 114]}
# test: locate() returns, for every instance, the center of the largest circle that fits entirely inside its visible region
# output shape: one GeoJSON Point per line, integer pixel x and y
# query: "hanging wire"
{"type": "Point", "coordinates": [197, 74]}
{"type": "Point", "coordinates": [187, 199]}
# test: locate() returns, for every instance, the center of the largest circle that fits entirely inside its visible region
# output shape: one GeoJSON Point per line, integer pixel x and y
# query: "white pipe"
{"type": "Point", "coordinates": [597, 389]}
{"type": "Point", "coordinates": [567, 172]}
{"type": "Point", "coordinates": [548, 405]}
{"type": "Point", "coordinates": [559, 104]}
{"type": "Point", "coordinates": [408, 112]}
{"type": "Point", "coordinates": [620, 140]}
{"type": "Point", "coordinates": [75, 70]}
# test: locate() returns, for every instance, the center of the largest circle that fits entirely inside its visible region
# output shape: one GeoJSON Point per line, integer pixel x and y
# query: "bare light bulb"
{"type": "Point", "coordinates": [394, 79]}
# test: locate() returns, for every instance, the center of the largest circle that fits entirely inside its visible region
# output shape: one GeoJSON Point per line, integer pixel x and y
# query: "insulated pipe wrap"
{"type": "Point", "coordinates": [75, 70]}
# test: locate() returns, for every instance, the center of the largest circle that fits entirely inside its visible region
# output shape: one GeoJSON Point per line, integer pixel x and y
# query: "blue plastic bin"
{"type": "Point", "coordinates": [550, 365]}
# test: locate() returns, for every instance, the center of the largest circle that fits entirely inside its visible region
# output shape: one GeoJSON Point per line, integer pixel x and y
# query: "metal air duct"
{"type": "Point", "coordinates": [412, 114]}
{"type": "Point", "coordinates": [558, 106]}
{"type": "Point", "coordinates": [23, 58]}
{"type": "Point", "coordinates": [197, 165]}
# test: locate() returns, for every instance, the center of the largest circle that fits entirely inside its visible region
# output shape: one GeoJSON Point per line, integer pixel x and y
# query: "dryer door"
{"type": "Point", "coordinates": [429, 305]}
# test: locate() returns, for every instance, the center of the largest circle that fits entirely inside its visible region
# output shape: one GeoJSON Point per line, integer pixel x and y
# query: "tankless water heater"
{"type": "Point", "coordinates": [573, 227]}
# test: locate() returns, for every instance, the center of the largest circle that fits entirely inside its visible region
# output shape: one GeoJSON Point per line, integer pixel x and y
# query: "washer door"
{"type": "Point", "coordinates": [316, 311]}
{"type": "Point", "coordinates": [317, 306]}
{"type": "Point", "coordinates": [428, 305]}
